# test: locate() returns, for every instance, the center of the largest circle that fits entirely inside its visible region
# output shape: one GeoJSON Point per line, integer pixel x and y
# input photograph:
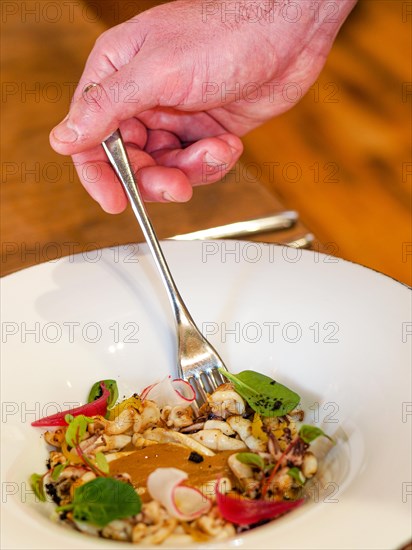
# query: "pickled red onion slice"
{"type": "Point", "coordinates": [95, 408]}
{"type": "Point", "coordinates": [169, 392]}
{"type": "Point", "coordinates": [245, 511]}
{"type": "Point", "coordinates": [182, 502]}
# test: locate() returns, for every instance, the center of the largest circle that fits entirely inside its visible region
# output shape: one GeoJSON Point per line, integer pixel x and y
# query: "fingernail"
{"type": "Point", "coordinates": [234, 151]}
{"type": "Point", "coordinates": [64, 133]}
{"type": "Point", "coordinates": [168, 197]}
{"type": "Point", "coordinates": [212, 161]}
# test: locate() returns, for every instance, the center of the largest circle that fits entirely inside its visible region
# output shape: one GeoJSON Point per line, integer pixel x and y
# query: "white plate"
{"type": "Point", "coordinates": [336, 332]}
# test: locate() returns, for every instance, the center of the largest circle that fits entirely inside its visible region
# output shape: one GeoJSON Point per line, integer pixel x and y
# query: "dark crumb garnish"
{"type": "Point", "coordinates": [300, 448]}
{"type": "Point", "coordinates": [48, 464]}
{"type": "Point", "coordinates": [213, 416]}
{"type": "Point", "coordinates": [244, 528]}
{"type": "Point", "coordinates": [195, 457]}
{"type": "Point", "coordinates": [63, 515]}
{"type": "Point", "coordinates": [52, 492]}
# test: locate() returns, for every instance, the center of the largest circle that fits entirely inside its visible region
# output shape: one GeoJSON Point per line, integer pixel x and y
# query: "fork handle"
{"type": "Point", "coordinates": [116, 152]}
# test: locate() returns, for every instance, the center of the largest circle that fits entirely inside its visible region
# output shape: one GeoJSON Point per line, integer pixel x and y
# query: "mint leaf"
{"type": "Point", "coordinates": [310, 433]}
{"type": "Point", "coordinates": [103, 500]}
{"type": "Point", "coordinates": [252, 459]}
{"type": "Point", "coordinates": [264, 395]}
{"type": "Point", "coordinates": [76, 429]}
{"type": "Point", "coordinates": [96, 392]}
{"type": "Point", "coordinates": [36, 483]}
{"type": "Point", "coordinates": [297, 475]}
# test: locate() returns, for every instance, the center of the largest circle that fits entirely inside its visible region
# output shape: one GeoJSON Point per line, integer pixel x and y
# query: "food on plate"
{"type": "Point", "coordinates": [155, 466]}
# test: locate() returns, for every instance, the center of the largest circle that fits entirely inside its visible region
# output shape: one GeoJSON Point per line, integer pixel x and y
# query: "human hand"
{"type": "Point", "coordinates": [182, 81]}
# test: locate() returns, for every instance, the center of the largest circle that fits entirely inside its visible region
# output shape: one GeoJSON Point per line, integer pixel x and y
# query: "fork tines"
{"type": "Point", "coordinates": [205, 382]}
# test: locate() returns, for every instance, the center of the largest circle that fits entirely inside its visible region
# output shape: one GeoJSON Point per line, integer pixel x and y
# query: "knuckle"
{"type": "Point", "coordinates": [103, 39]}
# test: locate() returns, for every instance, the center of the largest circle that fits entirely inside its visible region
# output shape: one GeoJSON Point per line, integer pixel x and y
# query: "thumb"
{"type": "Point", "coordinates": [101, 107]}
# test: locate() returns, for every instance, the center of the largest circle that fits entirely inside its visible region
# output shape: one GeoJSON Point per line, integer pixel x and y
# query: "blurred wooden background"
{"type": "Point", "coordinates": [341, 157]}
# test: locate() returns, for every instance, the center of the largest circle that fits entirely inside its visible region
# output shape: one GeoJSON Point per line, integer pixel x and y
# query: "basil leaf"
{"type": "Point", "coordinates": [57, 470]}
{"type": "Point", "coordinates": [76, 429]}
{"type": "Point", "coordinates": [310, 433]}
{"type": "Point", "coordinates": [102, 463]}
{"type": "Point", "coordinates": [264, 395]}
{"type": "Point", "coordinates": [297, 475]}
{"type": "Point", "coordinates": [252, 459]}
{"type": "Point", "coordinates": [103, 500]}
{"type": "Point", "coordinates": [96, 392]}
{"type": "Point", "coordinates": [36, 483]}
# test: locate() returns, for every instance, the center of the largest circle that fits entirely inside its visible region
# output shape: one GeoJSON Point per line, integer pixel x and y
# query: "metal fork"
{"type": "Point", "coordinates": [197, 360]}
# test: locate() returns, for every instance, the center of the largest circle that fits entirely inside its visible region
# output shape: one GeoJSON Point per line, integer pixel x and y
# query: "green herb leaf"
{"type": "Point", "coordinates": [57, 470]}
{"type": "Point", "coordinates": [297, 475]}
{"type": "Point", "coordinates": [36, 483]}
{"type": "Point", "coordinates": [102, 463]}
{"type": "Point", "coordinates": [96, 392]}
{"type": "Point", "coordinates": [264, 395]}
{"type": "Point", "coordinates": [103, 500]}
{"type": "Point", "coordinates": [310, 433]}
{"type": "Point", "coordinates": [252, 459]}
{"type": "Point", "coordinates": [76, 429]}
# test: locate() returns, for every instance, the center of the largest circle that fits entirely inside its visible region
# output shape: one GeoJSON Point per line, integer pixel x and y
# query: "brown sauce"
{"type": "Point", "coordinates": [143, 462]}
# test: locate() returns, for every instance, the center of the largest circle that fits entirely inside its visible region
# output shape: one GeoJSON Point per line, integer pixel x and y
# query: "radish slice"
{"type": "Point", "coordinates": [245, 511]}
{"type": "Point", "coordinates": [182, 502]}
{"type": "Point", "coordinates": [169, 392]}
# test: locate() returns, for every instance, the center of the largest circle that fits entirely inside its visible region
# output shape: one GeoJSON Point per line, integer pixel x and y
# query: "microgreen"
{"type": "Point", "coordinates": [77, 428]}
{"type": "Point", "coordinates": [96, 392]}
{"type": "Point", "coordinates": [57, 470]}
{"type": "Point", "coordinates": [75, 434]}
{"type": "Point", "coordinates": [252, 459]}
{"type": "Point", "coordinates": [297, 475]}
{"type": "Point", "coordinates": [36, 483]}
{"type": "Point", "coordinates": [102, 463]}
{"type": "Point", "coordinates": [310, 433]}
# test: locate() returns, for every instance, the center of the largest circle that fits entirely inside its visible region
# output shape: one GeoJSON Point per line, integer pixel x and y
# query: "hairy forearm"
{"type": "Point", "coordinates": [275, 17]}
{"type": "Point", "coordinates": [332, 12]}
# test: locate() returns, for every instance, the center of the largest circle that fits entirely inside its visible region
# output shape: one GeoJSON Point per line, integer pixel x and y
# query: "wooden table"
{"type": "Point", "coordinates": [340, 157]}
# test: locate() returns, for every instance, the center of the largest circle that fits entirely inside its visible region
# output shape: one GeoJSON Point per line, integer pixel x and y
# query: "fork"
{"type": "Point", "coordinates": [197, 360]}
